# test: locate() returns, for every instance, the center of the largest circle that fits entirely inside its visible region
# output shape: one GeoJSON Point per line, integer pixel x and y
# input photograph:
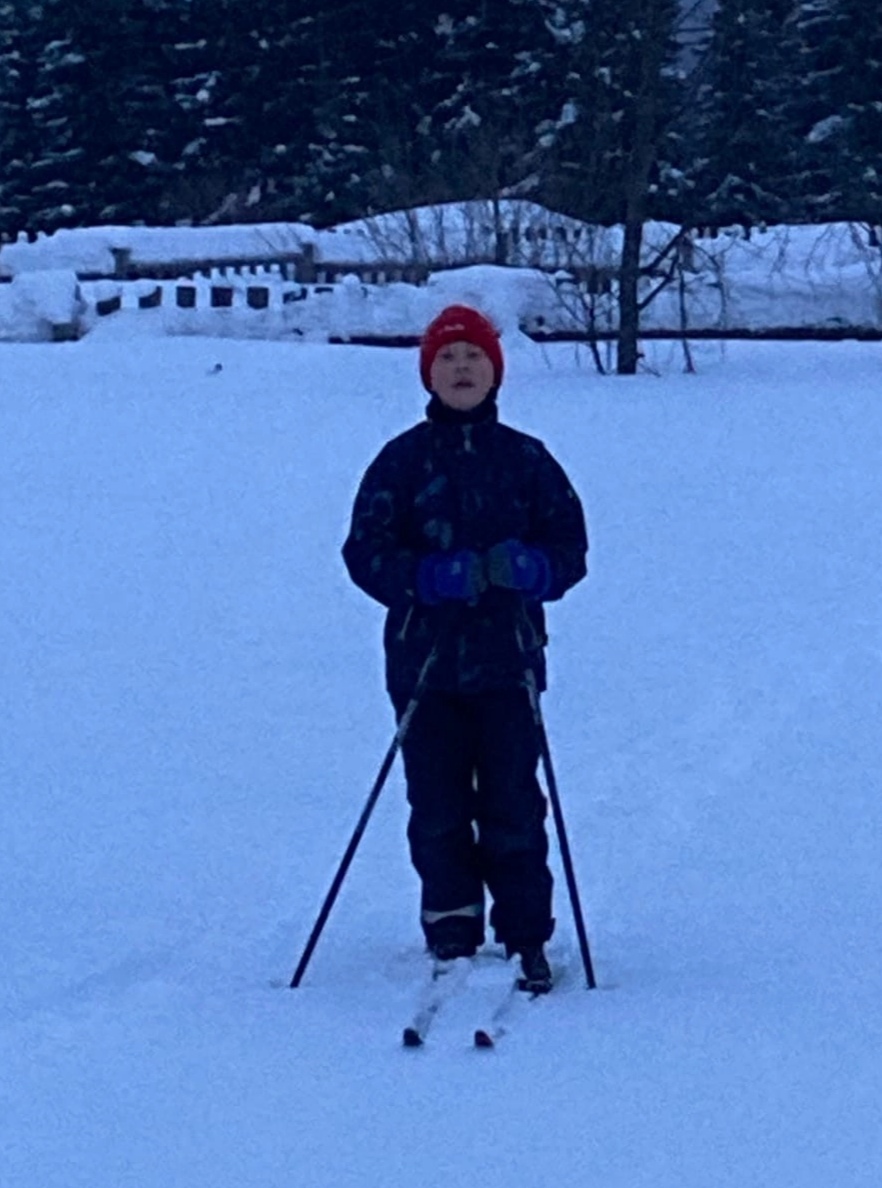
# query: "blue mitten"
{"type": "Point", "coordinates": [515, 566]}
{"type": "Point", "coordinates": [456, 576]}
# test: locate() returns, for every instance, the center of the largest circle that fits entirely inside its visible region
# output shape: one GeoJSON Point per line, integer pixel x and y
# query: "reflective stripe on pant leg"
{"type": "Point", "coordinates": [471, 911]}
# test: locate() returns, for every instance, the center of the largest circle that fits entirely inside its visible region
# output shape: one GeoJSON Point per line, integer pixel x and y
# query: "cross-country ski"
{"type": "Point", "coordinates": [486, 992]}
{"type": "Point", "coordinates": [445, 980]}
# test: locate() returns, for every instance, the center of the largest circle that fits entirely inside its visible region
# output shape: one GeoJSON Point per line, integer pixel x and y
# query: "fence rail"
{"type": "Point", "coordinates": [301, 267]}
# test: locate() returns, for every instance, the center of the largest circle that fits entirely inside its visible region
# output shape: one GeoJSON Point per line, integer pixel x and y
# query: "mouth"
{"type": "Point", "coordinates": [463, 384]}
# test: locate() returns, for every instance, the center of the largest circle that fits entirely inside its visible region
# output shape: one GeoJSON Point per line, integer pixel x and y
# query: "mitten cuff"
{"type": "Point", "coordinates": [542, 575]}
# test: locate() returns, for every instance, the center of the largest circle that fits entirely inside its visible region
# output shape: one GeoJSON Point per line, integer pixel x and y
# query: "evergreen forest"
{"type": "Point", "coordinates": [175, 111]}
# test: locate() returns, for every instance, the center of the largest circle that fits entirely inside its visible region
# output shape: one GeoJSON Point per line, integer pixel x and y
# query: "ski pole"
{"type": "Point", "coordinates": [557, 811]}
{"type": "Point", "coordinates": [373, 797]}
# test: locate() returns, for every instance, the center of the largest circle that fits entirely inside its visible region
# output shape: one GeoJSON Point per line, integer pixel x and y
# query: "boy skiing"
{"type": "Point", "coordinates": [462, 527]}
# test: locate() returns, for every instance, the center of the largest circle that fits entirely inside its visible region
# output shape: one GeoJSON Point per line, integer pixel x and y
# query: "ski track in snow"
{"type": "Point", "coordinates": [193, 714]}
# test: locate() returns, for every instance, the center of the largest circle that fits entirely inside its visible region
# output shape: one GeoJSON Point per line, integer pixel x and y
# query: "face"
{"type": "Point", "coordinates": [462, 375]}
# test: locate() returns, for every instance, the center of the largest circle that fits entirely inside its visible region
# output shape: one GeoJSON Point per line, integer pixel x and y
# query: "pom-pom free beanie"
{"type": "Point", "coordinates": [460, 323]}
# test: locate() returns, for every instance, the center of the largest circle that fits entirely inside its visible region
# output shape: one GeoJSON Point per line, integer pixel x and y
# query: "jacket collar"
{"type": "Point", "coordinates": [485, 413]}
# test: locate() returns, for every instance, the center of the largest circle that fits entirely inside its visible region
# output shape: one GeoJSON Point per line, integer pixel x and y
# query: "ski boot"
{"type": "Point", "coordinates": [536, 977]}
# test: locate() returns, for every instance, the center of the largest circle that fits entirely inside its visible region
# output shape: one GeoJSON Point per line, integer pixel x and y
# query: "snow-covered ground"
{"type": "Point", "coordinates": [193, 713]}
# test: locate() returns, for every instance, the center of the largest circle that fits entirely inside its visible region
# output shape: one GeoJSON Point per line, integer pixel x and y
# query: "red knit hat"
{"type": "Point", "coordinates": [460, 323]}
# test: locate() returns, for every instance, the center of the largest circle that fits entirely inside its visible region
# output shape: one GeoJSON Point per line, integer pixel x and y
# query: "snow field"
{"type": "Point", "coordinates": [193, 714]}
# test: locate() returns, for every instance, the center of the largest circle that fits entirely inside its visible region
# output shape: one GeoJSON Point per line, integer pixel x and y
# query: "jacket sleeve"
{"type": "Point", "coordinates": [559, 527]}
{"type": "Point", "coordinates": [375, 551]}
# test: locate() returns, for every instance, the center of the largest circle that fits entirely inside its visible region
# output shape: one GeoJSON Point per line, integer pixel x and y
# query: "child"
{"type": "Point", "coordinates": [462, 527]}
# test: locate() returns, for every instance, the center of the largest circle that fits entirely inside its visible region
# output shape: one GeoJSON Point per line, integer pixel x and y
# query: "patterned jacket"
{"type": "Point", "coordinates": [462, 481]}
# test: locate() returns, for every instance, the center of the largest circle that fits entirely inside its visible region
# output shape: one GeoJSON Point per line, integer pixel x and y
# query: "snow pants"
{"type": "Point", "coordinates": [477, 814]}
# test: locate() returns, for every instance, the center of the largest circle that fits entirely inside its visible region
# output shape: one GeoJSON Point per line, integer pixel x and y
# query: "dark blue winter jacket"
{"type": "Point", "coordinates": [462, 481]}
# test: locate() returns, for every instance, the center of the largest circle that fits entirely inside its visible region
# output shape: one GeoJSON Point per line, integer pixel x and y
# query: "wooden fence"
{"type": "Point", "coordinates": [301, 267]}
{"type": "Point", "coordinates": [220, 296]}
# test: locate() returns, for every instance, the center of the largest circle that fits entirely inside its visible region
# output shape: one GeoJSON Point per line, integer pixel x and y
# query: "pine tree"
{"type": "Point", "coordinates": [370, 147]}
{"type": "Point", "coordinates": [103, 116]}
{"type": "Point", "coordinates": [284, 125]}
{"type": "Point", "coordinates": [837, 114]}
{"type": "Point", "coordinates": [817, 35]}
{"type": "Point", "coordinates": [492, 80]}
{"type": "Point", "coordinates": [59, 169]}
{"type": "Point", "coordinates": [862, 145]}
{"type": "Point", "coordinates": [458, 122]}
{"type": "Point", "coordinates": [246, 78]}
{"type": "Point", "coordinates": [153, 128]}
{"type": "Point", "coordinates": [608, 140]}
{"type": "Point", "coordinates": [743, 126]}
{"type": "Point", "coordinates": [210, 80]}
{"type": "Point", "coordinates": [17, 53]}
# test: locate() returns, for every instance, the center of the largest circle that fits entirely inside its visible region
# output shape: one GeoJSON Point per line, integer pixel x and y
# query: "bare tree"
{"type": "Point", "coordinates": [606, 149]}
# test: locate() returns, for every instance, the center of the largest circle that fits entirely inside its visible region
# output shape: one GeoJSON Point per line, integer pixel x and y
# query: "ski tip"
{"type": "Point", "coordinates": [483, 1039]}
{"type": "Point", "coordinates": [411, 1038]}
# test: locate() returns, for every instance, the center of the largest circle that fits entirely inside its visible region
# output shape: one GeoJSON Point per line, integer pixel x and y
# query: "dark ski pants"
{"type": "Point", "coordinates": [478, 814]}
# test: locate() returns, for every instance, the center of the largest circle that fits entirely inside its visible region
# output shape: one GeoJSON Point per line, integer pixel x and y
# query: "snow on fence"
{"type": "Point", "coordinates": [253, 303]}
{"type": "Point", "coordinates": [823, 282]}
{"type": "Point", "coordinates": [246, 300]}
{"type": "Point", "coordinates": [122, 264]}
